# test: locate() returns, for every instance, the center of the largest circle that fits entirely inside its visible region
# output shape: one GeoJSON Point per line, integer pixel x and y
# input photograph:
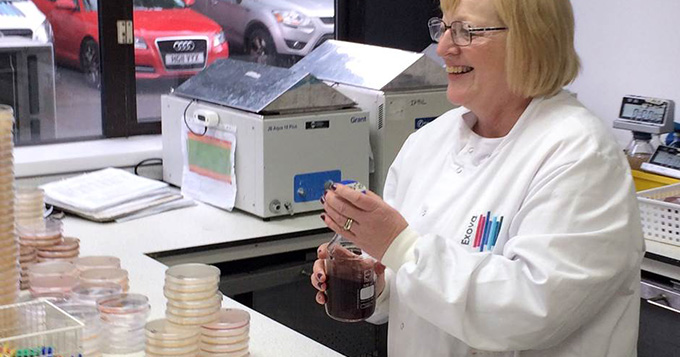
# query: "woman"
{"type": "Point", "coordinates": [509, 226]}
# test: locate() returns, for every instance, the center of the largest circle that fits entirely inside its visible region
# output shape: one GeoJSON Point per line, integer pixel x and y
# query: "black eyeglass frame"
{"type": "Point", "coordinates": [471, 30]}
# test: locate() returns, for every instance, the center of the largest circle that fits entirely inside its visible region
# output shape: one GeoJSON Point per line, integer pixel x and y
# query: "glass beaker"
{"type": "Point", "coordinates": [639, 150]}
{"type": "Point", "coordinates": [350, 281]}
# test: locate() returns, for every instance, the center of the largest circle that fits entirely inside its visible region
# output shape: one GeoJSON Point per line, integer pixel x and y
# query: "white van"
{"type": "Point", "coordinates": [22, 18]}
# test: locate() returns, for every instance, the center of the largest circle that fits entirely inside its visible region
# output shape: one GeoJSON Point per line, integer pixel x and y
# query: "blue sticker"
{"type": "Point", "coordinates": [310, 186]}
{"type": "Point", "coordinates": [421, 122]}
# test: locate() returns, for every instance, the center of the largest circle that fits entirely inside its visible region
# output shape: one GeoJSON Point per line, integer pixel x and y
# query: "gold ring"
{"type": "Point", "coordinates": [348, 224]}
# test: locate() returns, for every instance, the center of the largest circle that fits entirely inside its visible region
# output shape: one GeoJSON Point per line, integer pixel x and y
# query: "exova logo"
{"type": "Point", "coordinates": [354, 120]}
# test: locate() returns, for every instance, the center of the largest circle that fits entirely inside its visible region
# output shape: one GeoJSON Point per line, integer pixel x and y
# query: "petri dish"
{"type": "Point", "coordinates": [229, 319]}
{"type": "Point", "coordinates": [58, 254]}
{"type": "Point", "coordinates": [50, 231]}
{"type": "Point", "coordinates": [68, 244]}
{"type": "Point", "coordinates": [49, 269]}
{"type": "Point", "coordinates": [104, 275]}
{"type": "Point", "coordinates": [193, 288]}
{"type": "Point", "coordinates": [96, 262]}
{"type": "Point", "coordinates": [192, 354]}
{"type": "Point", "coordinates": [193, 312]}
{"type": "Point", "coordinates": [162, 329]}
{"type": "Point", "coordinates": [190, 321]}
{"type": "Point", "coordinates": [193, 341]}
{"type": "Point", "coordinates": [180, 296]}
{"type": "Point", "coordinates": [225, 340]}
{"type": "Point", "coordinates": [89, 294]}
{"type": "Point", "coordinates": [123, 304]}
{"type": "Point", "coordinates": [191, 274]}
{"type": "Point", "coordinates": [173, 351]}
{"type": "Point", "coordinates": [197, 304]}
{"type": "Point", "coordinates": [54, 282]}
{"type": "Point", "coordinates": [239, 346]}
{"type": "Point", "coordinates": [242, 353]}
{"type": "Point", "coordinates": [209, 333]}
{"type": "Point", "coordinates": [39, 243]}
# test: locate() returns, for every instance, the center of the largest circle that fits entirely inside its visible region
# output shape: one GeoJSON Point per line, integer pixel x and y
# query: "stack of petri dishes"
{"type": "Point", "coordinates": [123, 319]}
{"type": "Point", "coordinates": [52, 279]}
{"type": "Point", "coordinates": [101, 276]}
{"type": "Point", "coordinates": [166, 339]}
{"type": "Point", "coordinates": [40, 236]}
{"type": "Point", "coordinates": [27, 257]}
{"type": "Point", "coordinates": [29, 206]}
{"type": "Point", "coordinates": [67, 250]}
{"type": "Point", "coordinates": [193, 295]}
{"type": "Point", "coordinates": [92, 331]}
{"type": "Point", "coordinates": [9, 249]}
{"type": "Point", "coordinates": [96, 262]}
{"type": "Point", "coordinates": [87, 294]}
{"type": "Point", "coordinates": [228, 336]}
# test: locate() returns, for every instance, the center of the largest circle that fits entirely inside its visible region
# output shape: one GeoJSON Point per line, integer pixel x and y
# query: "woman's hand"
{"type": "Point", "coordinates": [372, 225]}
{"type": "Point", "coordinates": [319, 278]}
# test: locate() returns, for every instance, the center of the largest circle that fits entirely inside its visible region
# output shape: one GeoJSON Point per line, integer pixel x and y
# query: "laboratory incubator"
{"type": "Point", "coordinates": [294, 133]}
{"type": "Point", "coordinates": [402, 91]}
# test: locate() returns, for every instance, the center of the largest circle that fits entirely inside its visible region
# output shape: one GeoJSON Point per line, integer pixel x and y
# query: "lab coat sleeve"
{"type": "Point", "coordinates": [573, 242]}
{"type": "Point", "coordinates": [382, 302]}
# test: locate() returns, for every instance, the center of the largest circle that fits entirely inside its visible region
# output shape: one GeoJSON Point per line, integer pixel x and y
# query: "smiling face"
{"type": "Point", "coordinates": [476, 73]}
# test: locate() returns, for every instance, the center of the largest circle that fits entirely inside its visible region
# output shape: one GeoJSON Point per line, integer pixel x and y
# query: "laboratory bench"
{"type": "Point", "coordinates": [208, 235]}
{"type": "Point", "coordinates": [229, 240]}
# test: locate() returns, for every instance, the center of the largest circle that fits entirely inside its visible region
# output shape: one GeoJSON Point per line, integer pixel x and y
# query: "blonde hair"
{"type": "Point", "coordinates": [541, 58]}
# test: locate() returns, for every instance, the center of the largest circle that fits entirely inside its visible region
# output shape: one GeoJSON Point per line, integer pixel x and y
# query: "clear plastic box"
{"type": "Point", "coordinates": [39, 323]}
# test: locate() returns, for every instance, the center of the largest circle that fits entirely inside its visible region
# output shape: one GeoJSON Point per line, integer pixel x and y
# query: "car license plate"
{"type": "Point", "coordinates": [184, 58]}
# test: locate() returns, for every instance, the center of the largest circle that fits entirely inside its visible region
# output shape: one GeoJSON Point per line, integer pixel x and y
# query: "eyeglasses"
{"type": "Point", "coordinates": [461, 32]}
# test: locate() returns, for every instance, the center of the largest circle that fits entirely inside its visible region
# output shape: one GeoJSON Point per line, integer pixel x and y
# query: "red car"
{"type": "Point", "coordinates": [171, 40]}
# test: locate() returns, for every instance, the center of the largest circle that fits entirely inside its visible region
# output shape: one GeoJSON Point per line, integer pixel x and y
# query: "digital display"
{"type": "Point", "coordinates": [641, 110]}
{"type": "Point", "coordinates": [667, 157]}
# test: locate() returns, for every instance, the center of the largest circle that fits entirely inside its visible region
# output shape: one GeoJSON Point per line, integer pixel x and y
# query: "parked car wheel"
{"type": "Point", "coordinates": [89, 62]}
{"type": "Point", "coordinates": [260, 47]}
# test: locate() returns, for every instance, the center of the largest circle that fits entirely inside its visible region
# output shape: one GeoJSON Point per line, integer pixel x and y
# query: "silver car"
{"type": "Point", "coordinates": [275, 32]}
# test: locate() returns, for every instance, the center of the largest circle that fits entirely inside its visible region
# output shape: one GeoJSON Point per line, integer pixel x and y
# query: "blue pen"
{"type": "Point", "coordinates": [498, 232]}
{"type": "Point", "coordinates": [50, 352]}
{"type": "Point", "coordinates": [492, 232]}
{"type": "Point", "coordinates": [485, 235]}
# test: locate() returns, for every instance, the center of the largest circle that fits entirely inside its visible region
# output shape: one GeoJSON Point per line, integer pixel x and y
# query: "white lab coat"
{"type": "Point", "coordinates": [563, 278]}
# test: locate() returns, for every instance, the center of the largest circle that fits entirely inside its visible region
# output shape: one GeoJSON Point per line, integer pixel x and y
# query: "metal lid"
{"type": "Point", "coordinates": [372, 67]}
{"type": "Point", "coordinates": [262, 89]}
{"type": "Point", "coordinates": [431, 52]}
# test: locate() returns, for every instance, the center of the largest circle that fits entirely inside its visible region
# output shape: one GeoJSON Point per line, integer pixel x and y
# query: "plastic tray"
{"type": "Point", "coordinates": [660, 219]}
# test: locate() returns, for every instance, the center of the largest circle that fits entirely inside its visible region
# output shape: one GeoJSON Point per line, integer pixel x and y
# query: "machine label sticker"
{"type": "Point", "coordinates": [209, 156]}
{"type": "Point", "coordinates": [282, 127]}
{"type": "Point", "coordinates": [318, 124]}
{"type": "Point", "coordinates": [355, 120]}
{"type": "Point", "coordinates": [421, 122]}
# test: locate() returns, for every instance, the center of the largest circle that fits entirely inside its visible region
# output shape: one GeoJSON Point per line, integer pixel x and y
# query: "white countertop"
{"type": "Point", "coordinates": [189, 228]}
